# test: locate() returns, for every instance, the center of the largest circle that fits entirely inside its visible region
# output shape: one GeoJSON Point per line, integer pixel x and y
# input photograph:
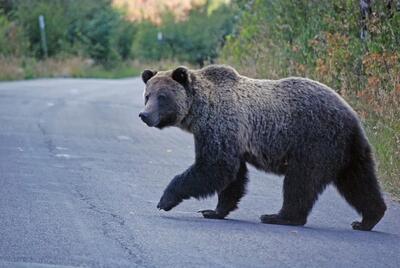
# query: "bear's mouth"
{"type": "Point", "coordinates": [166, 121]}
{"type": "Point", "coordinates": [152, 124]}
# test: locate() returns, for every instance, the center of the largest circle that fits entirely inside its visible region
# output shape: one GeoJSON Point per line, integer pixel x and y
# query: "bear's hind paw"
{"type": "Point", "coordinates": [360, 226]}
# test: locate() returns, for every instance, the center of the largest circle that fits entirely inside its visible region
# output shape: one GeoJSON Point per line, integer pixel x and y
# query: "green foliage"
{"type": "Point", "coordinates": [196, 40]}
{"type": "Point", "coordinates": [321, 39]}
{"type": "Point", "coordinates": [91, 27]}
{"type": "Point", "coordinates": [146, 46]}
{"type": "Point", "coordinates": [125, 34]}
{"type": "Point", "coordinates": [27, 14]}
{"type": "Point", "coordinates": [100, 36]}
{"type": "Point", "coordinates": [12, 38]}
{"type": "Point", "coordinates": [95, 29]}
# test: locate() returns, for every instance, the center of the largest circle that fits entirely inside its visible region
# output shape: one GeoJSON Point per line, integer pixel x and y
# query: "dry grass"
{"type": "Point", "coordinates": [383, 129]}
{"type": "Point", "coordinates": [61, 67]}
{"type": "Point", "coordinates": [12, 68]}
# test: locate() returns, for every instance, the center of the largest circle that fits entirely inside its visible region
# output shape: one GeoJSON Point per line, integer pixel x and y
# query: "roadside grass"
{"type": "Point", "coordinates": [18, 68]}
{"type": "Point", "coordinates": [13, 68]}
{"type": "Point", "coordinates": [122, 70]}
{"type": "Point", "coordinates": [385, 139]}
{"type": "Point", "coordinates": [380, 115]}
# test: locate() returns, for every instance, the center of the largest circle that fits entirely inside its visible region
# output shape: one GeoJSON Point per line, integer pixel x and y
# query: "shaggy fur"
{"type": "Point", "coordinates": [295, 127]}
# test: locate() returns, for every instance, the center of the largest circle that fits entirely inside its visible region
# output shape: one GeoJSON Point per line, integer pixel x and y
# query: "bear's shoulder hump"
{"type": "Point", "coordinates": [220, 73]}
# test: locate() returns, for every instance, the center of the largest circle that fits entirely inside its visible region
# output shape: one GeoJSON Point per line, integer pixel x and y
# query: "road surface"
{"type": "Point", "coordinates": [81, 175]}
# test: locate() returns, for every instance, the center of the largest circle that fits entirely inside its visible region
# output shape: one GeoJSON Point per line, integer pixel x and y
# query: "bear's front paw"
{"type": "Point", "coordinates": [168, 201]}
{"type": "Point", "coordinates": [211, 214]}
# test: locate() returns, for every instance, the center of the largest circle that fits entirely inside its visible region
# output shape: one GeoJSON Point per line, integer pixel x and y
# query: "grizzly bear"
{"type": "Point", "coordinates": [294, 127]}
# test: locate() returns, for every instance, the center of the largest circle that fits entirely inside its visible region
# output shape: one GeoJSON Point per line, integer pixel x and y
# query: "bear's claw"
{"type": "Point", "coordinates": [359, 226]}
{"type": "Point", "coordinates": [166, 207]}
{"type": "Point", "coordinates": [168, 201]}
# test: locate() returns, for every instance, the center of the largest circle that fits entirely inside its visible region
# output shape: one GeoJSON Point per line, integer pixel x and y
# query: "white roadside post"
{"type": "Point", "coordinates": [42, 27]}
{"type": "Point", "coordinates": [160, 36]}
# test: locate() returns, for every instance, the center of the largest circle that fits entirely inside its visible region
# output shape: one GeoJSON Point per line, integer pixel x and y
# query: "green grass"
{"type": "Point", "coordinates": [385, 139]}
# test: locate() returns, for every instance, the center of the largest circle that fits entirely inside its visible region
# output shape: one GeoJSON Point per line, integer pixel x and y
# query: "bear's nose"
{"type": "Point", "coordinates": [149, 118]}
{"type": "Point", "coordinates": [143, 115]}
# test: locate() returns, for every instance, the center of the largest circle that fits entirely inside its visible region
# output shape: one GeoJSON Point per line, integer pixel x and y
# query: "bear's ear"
{"type": "Point", "coordinates": [147, 74]}
{"type": "Point", "coordinates": [181, 75]}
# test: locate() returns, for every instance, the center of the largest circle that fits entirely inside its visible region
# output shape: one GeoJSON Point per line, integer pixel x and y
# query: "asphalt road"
{"type": "Point", "coordinates": [80, 177]}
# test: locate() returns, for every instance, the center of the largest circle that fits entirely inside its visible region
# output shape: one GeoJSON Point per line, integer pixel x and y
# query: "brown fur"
{"type": "Point", "coordinates": [295, 127]}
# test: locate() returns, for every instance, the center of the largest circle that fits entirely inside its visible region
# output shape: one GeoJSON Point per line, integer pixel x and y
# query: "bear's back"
{"type": "Point", "coordinates": [308, 95]}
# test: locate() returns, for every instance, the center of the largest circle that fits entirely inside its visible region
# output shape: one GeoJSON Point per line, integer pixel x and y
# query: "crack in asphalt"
{"type": "Point", "coordinates": [47, 140]}
{"type": "Point", "coordinates": [110, 232]}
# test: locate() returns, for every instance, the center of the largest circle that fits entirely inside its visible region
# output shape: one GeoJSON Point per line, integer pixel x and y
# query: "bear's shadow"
{"type": "Point", "coordinates": [308, 231]}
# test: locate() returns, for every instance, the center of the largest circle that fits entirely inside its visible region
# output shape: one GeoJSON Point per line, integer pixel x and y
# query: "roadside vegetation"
{"type": "Point", "coordinates": [331, 42]}
{"type": "Point", "coordinates": [355, 51]}
{"type": "Point", "coordinates": [96, 38]}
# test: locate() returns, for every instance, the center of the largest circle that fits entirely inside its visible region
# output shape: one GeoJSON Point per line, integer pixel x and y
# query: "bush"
{"type": "Point", "coordinates": [87, 28]}
{"type": "Point", "coordinates": [95, 29]}
{"type": "Point", "coordinates": [27, 14]}
{"type": "Point", "coordinates": [12, 38]}
{"type": "Point", "coordinates": [321, 40]}
{"type": "Point", "coordinates": [146, 46]}
{"type": "Point", "coordinates": [198, 39]}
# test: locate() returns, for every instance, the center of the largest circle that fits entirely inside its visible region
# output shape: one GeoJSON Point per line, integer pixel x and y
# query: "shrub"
{"type": "Point", "coordinates": [321, 40]}
{"type": "Point", "coordinates": [198, 39]}
{"type": "Point", "coordinates": [27, 14]}
{"type": "Point", "coordinates": [12, 37]}
{"type": "Point", "coordinates": [88, 28]}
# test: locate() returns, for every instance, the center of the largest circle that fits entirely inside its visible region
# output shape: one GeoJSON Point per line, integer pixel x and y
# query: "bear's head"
{"type": "Point", "coordinates": [166, 97]}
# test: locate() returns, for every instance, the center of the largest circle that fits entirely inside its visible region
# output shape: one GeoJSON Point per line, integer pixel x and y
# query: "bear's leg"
{"type": "Point", "coordinates": [300, 191]}
{"type": "Point", "coordinates": [359, 186]}
{"type": "Point", "coordinates": [230, 196]}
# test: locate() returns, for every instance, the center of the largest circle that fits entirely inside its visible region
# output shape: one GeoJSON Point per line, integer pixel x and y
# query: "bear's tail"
{"type": "Point", "coordinates": [358, 183]}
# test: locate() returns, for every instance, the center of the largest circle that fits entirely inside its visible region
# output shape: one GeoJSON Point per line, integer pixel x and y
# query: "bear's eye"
{"type": "Point", "coordinates": [146, 99]}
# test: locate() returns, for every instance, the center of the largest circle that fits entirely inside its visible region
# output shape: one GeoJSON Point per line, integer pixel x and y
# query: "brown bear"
{"type": "Point", "coordinates": [294, 127]}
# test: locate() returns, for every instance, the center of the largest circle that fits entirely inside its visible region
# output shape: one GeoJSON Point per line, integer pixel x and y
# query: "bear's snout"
{"type": "Point", "coordinates": [143, 115]}
{"type": "Point", "coordinates": [148, 119]}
